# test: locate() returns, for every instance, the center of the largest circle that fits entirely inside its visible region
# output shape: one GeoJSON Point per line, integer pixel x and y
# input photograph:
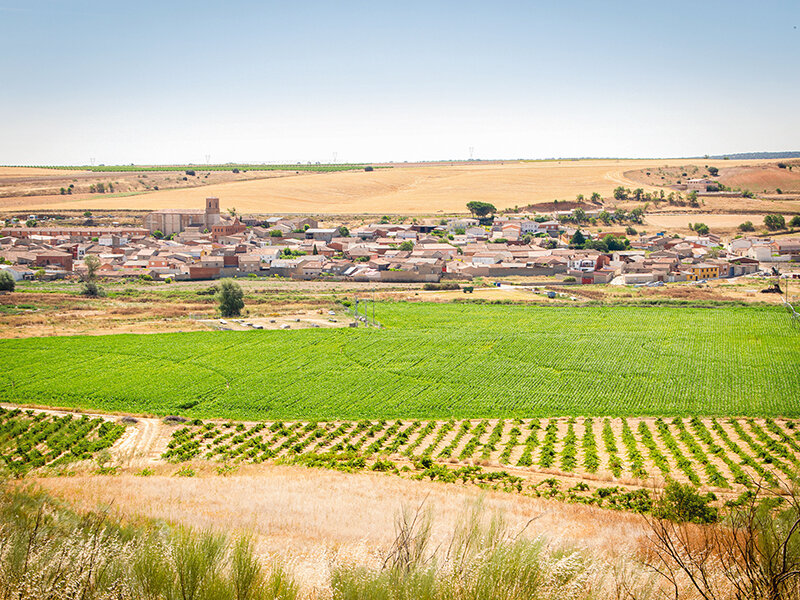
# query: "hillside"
{"type": "Point", "coordinates": [397, 190]}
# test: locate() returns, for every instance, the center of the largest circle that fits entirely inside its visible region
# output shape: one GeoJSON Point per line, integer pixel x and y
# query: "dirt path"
{"type": "Point", "coordinates": [143, 443]}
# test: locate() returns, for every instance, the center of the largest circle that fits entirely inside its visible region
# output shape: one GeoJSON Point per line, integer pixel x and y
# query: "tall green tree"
{"type": "Point", "coordinates": [230, 298]}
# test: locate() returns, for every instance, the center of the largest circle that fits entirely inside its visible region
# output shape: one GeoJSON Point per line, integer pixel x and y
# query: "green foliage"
{"type": "Point", "coordinates": [406, 246]}
{"type": "Point", "coordinates": [31, 440]}
{"type": "Point", "coordinates": [747, 226]}
{"type": "Point", "coordinates": [682, 503]}
{"type": "Point", "coordinates": [230, 298]}
{"type": "Point", "coordinates": [481, 209]}
{"type": "Point", "coordinates": [795, 222]}
{"type": "Point", "coordinates": [774, 222]}
{"type": "Point", "coordinates": [577, 240]}
{"type": "Point", "coordinates": [7, 283]}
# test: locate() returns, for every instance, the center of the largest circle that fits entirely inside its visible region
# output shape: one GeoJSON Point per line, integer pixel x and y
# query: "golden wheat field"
{"type": "Point", "coordinates": [423, 190]}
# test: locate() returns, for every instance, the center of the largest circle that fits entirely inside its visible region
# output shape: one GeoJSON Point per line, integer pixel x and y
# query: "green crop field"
{"type": "Point", "coordinates": [433, 361]}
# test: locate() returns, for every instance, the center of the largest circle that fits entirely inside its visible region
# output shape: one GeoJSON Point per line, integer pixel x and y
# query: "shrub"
{"type": "Point", "coordinates": [747, 226]}
{"type": "Point", "coordinates": [682, 503]}
{"type": "Point", "coordinates": [7, 283]}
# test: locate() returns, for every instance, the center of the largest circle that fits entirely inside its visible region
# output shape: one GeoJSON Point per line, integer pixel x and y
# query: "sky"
{"type": "Point", "coordinates": [107, 82]}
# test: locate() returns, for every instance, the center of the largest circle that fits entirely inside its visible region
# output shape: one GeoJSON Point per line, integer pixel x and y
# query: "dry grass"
{"type": "Point", "coordinates": [310, 516]}
{"type": "Point", "coordinates": [680, 222]}
{"type": "Point", "coordinates": [398, 190]}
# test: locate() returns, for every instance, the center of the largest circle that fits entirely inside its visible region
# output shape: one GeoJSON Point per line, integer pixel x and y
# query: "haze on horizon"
{"type": "Point", "coordinates": [177, 82]}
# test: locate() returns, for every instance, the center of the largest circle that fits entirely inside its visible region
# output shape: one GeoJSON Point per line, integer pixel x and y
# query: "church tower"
{"type": "Point", "coordinates": [212, 212]}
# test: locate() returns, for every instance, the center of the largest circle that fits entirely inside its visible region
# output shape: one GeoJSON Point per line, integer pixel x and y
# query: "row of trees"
{"type": "Point", "coordinates": [608, 243]}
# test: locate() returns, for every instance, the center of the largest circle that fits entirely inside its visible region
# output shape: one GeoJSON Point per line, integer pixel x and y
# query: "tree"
{"type": "Point", "coordinates": [158, 234]}
{"type": "Point", "coordinates": [577, 240]}
{"type": "Point", "coordinates": [630, 230]}
{"type": "Point", "coordinates": [30, 223]}
{"type": "Point", "coordinates": [795, 222]}
{"type": "Point", "coordinates": [344, 231]}
{"type": "Point", "coordinates": [747, 226]}
{"type": "Point", "coordinates": [614, 243]}
{"type": "Point", "coordinates": [92, 264]}
{"type": "Point", "coordinates": [407, 246]}
{"type": "Point", "coordinates": [596, 198]}
{"type": "Point", "coordinates": [368, 169]}
{"type": "Point", "coordinates": [605, 217]}
{"type": "Point", "coordinates": [774, 222]}
{"type": "Point", "coordinates": [481, 209]}
{"type": "Point", "coordinates": [7, 283]}
{"type": "Point", "coordinates": [701, 228]}
{"type": "Point", "coordinates": [620, 193]}
{"type": "Point", "coordinates": [636, 215]}
{"type": "Point", "coordinates": [87, 214]}
{"type": "Point", "coordinates": [579, 215]}
{"type": "Point", "coordinates": [276, 233]}
{"type": "Point", "coordinates": [714, 171]}
{"type": "Point", "coordinates": [230, 298]}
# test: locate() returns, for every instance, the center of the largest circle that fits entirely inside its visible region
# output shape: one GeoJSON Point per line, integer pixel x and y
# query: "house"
{"type": "Point", "coordinates": [702, 271]}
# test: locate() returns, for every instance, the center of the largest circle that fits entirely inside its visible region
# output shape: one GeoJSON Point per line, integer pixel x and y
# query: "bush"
{"type": "Point", "coordinates": [795, 222]}
{"type": "Point", "coordinates": [774, 222]}
{"type": "Point", "coordinates": [569, 279]}
{"type": "Point", "coordinates": [276, 233]}
{"type": "Point", "coordinates": [190, 172]}
{"type": "Point", "coordinates": [368, 169]}
{"type": "Point", "coordinates": [701, 228]}
{"type": "Point", "coordinates": [747, 226]}
{"type": "Point", "coordinates": [92, 290]}
{"type": "Point", "coordinates": [682, 503]}
{"type": "Point", "coordinates": [7, 283]}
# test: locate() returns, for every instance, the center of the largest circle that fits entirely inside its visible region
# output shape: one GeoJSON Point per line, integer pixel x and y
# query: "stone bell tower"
{"type": "Point", "coordinates": [212, 212]}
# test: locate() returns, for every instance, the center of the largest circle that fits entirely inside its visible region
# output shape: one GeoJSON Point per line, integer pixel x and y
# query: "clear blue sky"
{"type": "Point", "coordinates": [174, 81]}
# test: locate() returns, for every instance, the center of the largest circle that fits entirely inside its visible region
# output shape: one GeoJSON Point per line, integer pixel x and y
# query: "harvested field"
{"type": "Point", "coordinates": [716, 222]}
{"type": "Point", "coordinates": [403, 190]}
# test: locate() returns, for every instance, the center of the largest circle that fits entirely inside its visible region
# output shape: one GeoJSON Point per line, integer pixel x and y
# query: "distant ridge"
{"type": "Point", "coordinates": [754, 155]}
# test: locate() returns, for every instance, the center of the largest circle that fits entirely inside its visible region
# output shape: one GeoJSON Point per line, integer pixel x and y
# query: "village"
{"type": "Point", "coordinates": [204, 244]}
